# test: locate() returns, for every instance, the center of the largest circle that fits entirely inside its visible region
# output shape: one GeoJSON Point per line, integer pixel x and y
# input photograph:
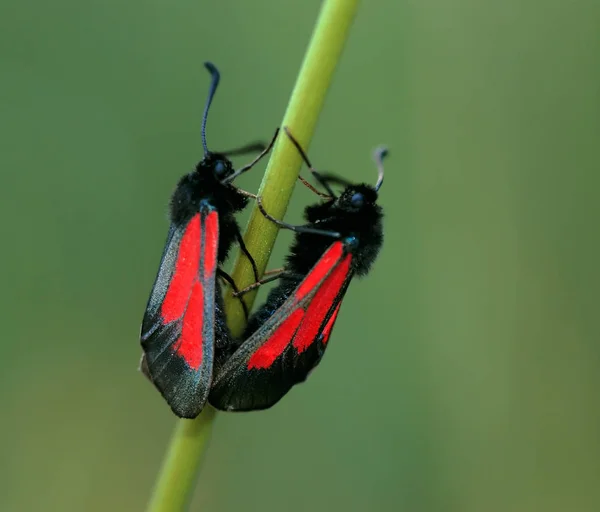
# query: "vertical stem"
{"type": "Point", "coordinates": [323, 54]}
{"type": "Point", "coordinates": [178, 474]}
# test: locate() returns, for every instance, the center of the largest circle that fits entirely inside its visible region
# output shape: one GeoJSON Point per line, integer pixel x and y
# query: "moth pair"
{"type": "Point", "coordinates": [189, 353]}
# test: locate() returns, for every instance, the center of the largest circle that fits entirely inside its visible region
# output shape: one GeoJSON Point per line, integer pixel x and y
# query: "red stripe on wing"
{"type": "Point", "coordinates": [266, 355]}
{"type": "Point", "coordinates": [321, 304]}
{"type": "Point", "coordinates": [186, 270]}
{"type": "Point", "coordinates": [327, 329]}
{"type": "Point", "coordinates": [320, 270]}
{"type": "Point", "coordinates": [304, 321]}
{"type": "Point", "coordinates": [189, 346]}
{"type": "Point", "coordinates": [211, 243]}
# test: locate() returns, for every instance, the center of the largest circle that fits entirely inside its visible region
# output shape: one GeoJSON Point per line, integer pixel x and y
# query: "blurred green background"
{"type": "Point", "coordinates": [463, 373]}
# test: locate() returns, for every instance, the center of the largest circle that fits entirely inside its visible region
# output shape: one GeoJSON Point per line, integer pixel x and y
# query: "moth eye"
{"type": "Point", "coordinates": [357, 200]}
{"type": "Point", "coordinates": [351, 242]}
{"type": "Point", "coordinates": [220, 168]}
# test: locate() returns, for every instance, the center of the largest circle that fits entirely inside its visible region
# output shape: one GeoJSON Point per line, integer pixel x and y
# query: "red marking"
{"type": "Point", "coordinates": [320, 305]}
{"type": "Point", "coordinates": [211, 243]}
{"type": "Point", "coordinates": [327, 329]}
{"type": "Point", "coordinates": [190, 343]}
{"type": "Point", "coordinates": [265, 356]}
{"type": "Point", "coordinates": [320, 270]}
{"type": "Point", "coordinates": [186, 269]}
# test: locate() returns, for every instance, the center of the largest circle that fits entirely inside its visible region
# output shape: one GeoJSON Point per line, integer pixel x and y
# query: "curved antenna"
{"type": "Point", "coordinates": [378, 155]}
{"type": "Point", "coordinates": [211, 93]}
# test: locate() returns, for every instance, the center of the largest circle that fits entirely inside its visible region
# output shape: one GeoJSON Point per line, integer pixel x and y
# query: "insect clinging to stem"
{"type": "Point", "coordinates": [287, 336]}
{"type": "Point", "coordinates": [183, 333]}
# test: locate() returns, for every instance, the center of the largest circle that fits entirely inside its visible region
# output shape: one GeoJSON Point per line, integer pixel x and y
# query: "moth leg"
{"type": "Point", "coordinates": [271, 275]}
{"type": "Point", "coordinates": [292, 227]}
{"type": "Point", "coordinates": [249, 166]}
{"type": "Point", "coordinates": [253, 147]}
{"type": "Point", "coordinates": [315, 173]}
{"type": "Point", "coordinates": [236, 293]}
{"type": "Point", "coordinates": [245, 250]}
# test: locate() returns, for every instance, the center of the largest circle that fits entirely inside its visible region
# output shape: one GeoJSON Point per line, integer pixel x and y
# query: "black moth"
{"type": "Point", "coordinates": [183, 332]}
{"type": "Point", "coordinates": [286, 338]}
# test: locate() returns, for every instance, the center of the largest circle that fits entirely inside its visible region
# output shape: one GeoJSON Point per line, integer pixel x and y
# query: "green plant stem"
{"type": "Point", "coordinates": [178, 474]}
{"type": "Point", "coordinates": [323, 54]}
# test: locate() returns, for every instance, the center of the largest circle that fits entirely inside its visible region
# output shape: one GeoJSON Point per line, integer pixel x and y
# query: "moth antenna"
{"type": "Point", "coordinates": [378, 155]}
{"type": "Point", "coordinates": [211, 93]}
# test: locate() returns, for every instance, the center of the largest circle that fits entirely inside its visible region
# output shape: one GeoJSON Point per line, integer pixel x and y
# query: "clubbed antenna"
{"type": "Point", "coordinates": [378, 155]}
{"type": "Point", "coordinates": [211, 93]}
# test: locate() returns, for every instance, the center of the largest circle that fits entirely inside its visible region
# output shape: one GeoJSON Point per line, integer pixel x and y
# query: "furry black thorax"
{"type": "Point", "coordinates": [205, 183]}
{"type": "Point", "coordinates": [363, 222]}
